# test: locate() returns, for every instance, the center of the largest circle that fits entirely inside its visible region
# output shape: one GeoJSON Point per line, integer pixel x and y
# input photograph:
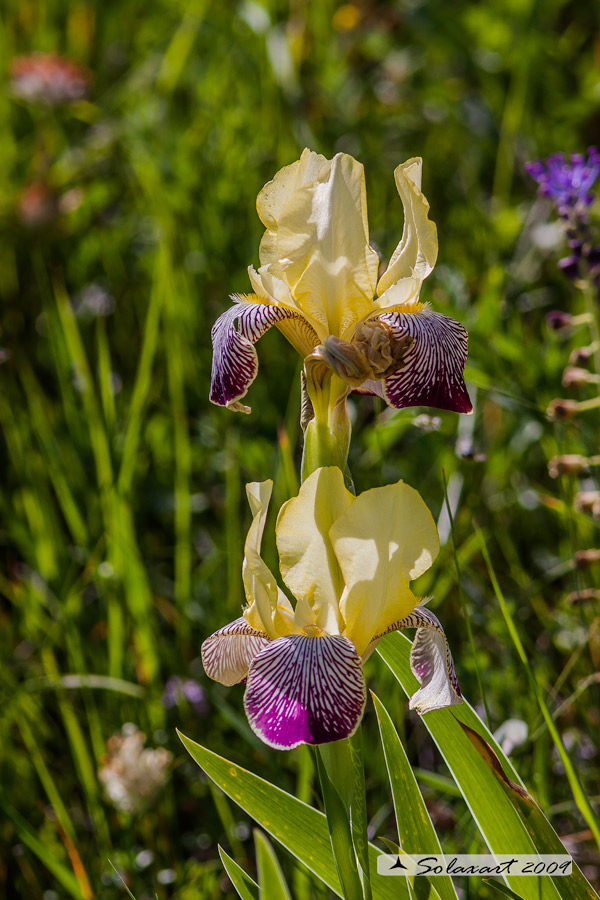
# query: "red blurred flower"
{"type": "Point", "coordinates": [37, 205]}
{"type": "Point", "coordinates": [48, 78]}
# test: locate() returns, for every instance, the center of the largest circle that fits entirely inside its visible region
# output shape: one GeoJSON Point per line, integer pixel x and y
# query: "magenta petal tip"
{"type": "Point", "coordinates": [305, 690]}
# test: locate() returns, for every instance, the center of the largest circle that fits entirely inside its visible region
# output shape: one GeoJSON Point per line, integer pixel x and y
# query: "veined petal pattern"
{"type": "Point", "coordinates": [433, 369]}
{"type": "Point", "coordinates": [305, 690]}
{"type": "Point", "coordinates": [228, 653]}
{"type": "Point", "coordinates": [430, 662]}
{"type": "Point", "coordinates": [235, 362]}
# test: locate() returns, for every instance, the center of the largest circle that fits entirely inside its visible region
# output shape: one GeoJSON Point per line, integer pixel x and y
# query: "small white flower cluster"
{"type": "Point", "coordinates": [132, 773]}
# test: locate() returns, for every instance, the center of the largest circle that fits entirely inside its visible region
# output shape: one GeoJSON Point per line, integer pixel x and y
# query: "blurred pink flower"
{"type": "Point", "coordinates": [37, 205]}
{"type": "Point", "coordinates": [48, 78]}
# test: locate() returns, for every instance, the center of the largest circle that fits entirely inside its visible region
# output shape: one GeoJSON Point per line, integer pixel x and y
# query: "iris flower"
{"type": "Point", "coordinates": [348, 562]}
{"type": "Point", "coordinates": [318, 283]}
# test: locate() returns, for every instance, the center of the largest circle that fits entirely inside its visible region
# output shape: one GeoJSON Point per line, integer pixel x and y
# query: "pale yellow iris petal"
{"type": "Point", "coordinates": [299, 331]}
{"type": "Point", "coordinates": [275, 193]}
{"type": "Point", "coordinates": [386, 539]}
{"type": "Point", "coordinates": [269, 287]}
{"type": "Point", "coordinates": [307, 561]}
{"type": "Point", "coordinates": [415, 255]}
{"type": "Point", "coordinates": [272, 199]}
{"type": "Point", "coordinates": [322, 244]}
{"type": "Point", "coordinates": [268, 608]}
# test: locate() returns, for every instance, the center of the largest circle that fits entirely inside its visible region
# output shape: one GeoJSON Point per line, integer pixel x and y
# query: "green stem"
{"type": "Point", "coordinates": [341, 772]}
{"type": "Point", "coordinates": [327, 435]}
{"type": "Point", "coordinates": [592, 313]}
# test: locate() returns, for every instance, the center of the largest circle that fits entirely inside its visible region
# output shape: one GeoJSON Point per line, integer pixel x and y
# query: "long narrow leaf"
{"type": "Point", "coordinates": [338, 820]}
{"type": "Point", "coordinates": [42, 851]}
{"type": "Point", "coordinates": [271, 883]}
{"type": "Point", "coordinates": [299, 828]}
{"type": "Point", "coordinates": [506, 815]}
{"type": "Point", "coordinates": [415, 829]}
{"type": "Point", "coordinates": [579, 795]}
{"type": "Point", "coordinates": [244, 885]}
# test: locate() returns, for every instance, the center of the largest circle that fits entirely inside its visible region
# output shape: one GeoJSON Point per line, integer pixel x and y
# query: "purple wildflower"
{"type": "Point", "coordinates": [177, 689]}
{"type": "Point", "coordinates": [567, 182]}
{"type": "Point", "coordinates": [558, 320]}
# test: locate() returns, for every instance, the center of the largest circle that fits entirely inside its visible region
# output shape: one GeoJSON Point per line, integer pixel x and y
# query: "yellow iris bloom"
{"type": "Point", "coordinates": [318, 283]}
{"type": "Point", "coordinates": [348, 562]}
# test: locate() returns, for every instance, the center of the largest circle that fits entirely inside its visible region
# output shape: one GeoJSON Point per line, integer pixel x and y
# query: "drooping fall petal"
{"type": "Point", "coordinates": [384, 540]}
{"type": "Point", "coordinates": [432, 373]}
{"type": "Point", "coordinates": [304, 689]}
{"type": "Point", "coordinates": [430, 662]}
{"type": "Point", "coordinates": [306, 558]}
{"type": "Point", "coordinates": [234, 334]}
{"type": "Point", "coordinates": [227, 654]}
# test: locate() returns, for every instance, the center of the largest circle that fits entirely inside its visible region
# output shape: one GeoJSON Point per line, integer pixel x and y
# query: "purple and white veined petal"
{"type": "Point", "coordinates": [430, 662]}
{"type": "Point", "coordinates": [433, 369]}
{"type": "Point", "coordinates": [305, 690]}
{"type": "Point", "coordinates": [228, 653]}
{"type": "Point", "coordinates": [235, 362]}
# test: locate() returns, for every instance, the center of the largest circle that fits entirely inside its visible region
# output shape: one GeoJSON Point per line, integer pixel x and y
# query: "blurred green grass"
{"type": "Point", "coordinates": [122, 497]}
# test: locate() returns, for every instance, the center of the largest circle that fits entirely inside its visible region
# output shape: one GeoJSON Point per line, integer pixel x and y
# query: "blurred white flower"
{"type": "Point", "coordinates": [131, 773]}
{"type": "Point", "coordinates": [511, 734]}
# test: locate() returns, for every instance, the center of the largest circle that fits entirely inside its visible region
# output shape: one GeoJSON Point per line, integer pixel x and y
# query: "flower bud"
{"type": "Point", "coordinates": [571, 464]}
{"type": "Point", "coordinates": [558, 320]}
{"type": "Point", "coordinates": [560, 410]}
{"type": "Point", "coordinates": [586, 558]}
{"type": "Point", "coordinates": [575, 377]}
{"type": "Point", "coordinates": [582, 596]}
{"type": "Point", "coordinates": [586, 501]}
{"type": "Point", "coordinates": [581, 356]}
{"type": "Point", "coordinates": [569, 266]}
{"type": "Point", "coordinates": [593, 256]}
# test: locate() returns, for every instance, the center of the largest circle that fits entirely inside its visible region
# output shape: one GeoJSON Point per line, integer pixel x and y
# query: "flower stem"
{"type": "Point", "coordinates": [341, 771]}
{"type": "Point", "coordinates": [327, 435]}
{"type": "Point", "coordinates": [592, 312]}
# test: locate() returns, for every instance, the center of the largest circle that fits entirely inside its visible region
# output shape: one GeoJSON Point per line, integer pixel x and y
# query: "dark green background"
{"type": "Point", "coordinates": [194, 106]}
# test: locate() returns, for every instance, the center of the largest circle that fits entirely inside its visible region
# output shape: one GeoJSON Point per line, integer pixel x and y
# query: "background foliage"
{"type": "Point", "coordinates": [122, 497]}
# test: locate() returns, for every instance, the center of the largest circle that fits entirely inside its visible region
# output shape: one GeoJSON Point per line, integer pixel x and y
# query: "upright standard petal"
{"type": "Point", "coordinates": [305, 690]}
{"type": "Point", "coordinates": [430, 662]}
{"type": "Point", "coordinates": [272, 199]}
{"type": "Point", "coordinates": [415, 255]}
{"type": "Point", "coordinates": [307, 562]}
{"type": "Point", "coordinates": [432, 373]}
{"type": "Point", "coordinates": [322, 247]}
{"type": "Point", "coordinates": [235, 363]}
{"type": "Point", "coordinates": [227, 654]}
{"type": "Point", "coordinates": [386, 539]}
{"type": "Point", "coordinates": [268, 609]}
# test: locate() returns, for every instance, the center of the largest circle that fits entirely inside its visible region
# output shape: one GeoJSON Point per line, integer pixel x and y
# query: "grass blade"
{"type": "Point", "coordinates": [244, 885]}
{"type": "Point", "coordinates": [579, 795]}
{"type": "Point", "coordinates": [336, 810]}
{"type": "Point", "coordinates": [506, 815]}
{"type": "Point", "coordinates": [271, 882]}
{"type": "Point", "coordinates": [415, 829]}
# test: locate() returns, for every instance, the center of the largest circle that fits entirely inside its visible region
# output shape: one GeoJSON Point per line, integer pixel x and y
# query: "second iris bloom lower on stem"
{"type": "Point", "coordinates": [348, 561]}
